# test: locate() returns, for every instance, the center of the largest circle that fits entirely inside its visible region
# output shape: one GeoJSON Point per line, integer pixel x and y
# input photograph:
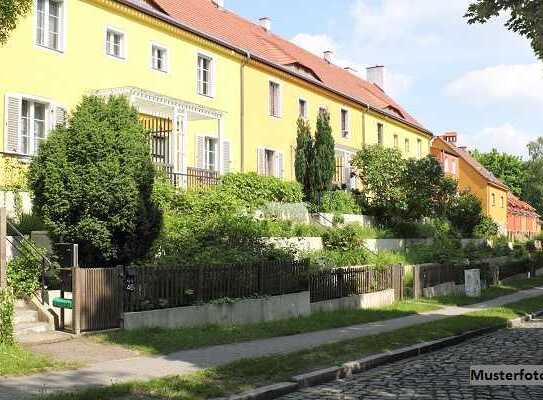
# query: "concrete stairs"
{"type": "Point", "coordinates": [27, 321]}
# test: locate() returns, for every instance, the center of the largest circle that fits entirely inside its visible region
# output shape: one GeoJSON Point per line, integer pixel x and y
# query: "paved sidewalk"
{"type": "Point", "coordinates": [138, 368]}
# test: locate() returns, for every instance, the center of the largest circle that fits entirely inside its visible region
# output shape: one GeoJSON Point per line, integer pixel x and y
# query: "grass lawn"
{"type": "Point", "coordinates": [15, 360]}
{"type": "Point", "coordinates": [165, 341]}
{"type": "Point", "coordinates": [487, 294]}
{"type": "Point", "coordinates": [245, 374]}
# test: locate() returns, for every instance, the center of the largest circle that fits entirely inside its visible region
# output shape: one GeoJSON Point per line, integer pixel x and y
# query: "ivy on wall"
{"type": "Point", "coordinates": [13, 174]}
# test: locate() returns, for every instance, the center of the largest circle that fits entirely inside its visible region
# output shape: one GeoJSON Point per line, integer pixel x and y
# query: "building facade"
{"type": "Point", "coordinates": [217, 92]}
{"type": "Point", "coordinates": [472, 176]}
{"type": "Point", "coordinates": [523, 221]}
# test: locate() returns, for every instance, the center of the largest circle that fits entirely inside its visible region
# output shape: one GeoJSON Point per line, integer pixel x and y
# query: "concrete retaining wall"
{"type": "Point", "coordinates": [326, 219]}
{"type": "Point", "coordinates": [362, 301]}
{"type": "Point", "coordinates": [444, 289]}
{"type": "Point", "coordinates": [239, 313]}
{"type": "Point", "coordinates": [8, 201]}
{"type": "Point", "coordinates": [300, 244]}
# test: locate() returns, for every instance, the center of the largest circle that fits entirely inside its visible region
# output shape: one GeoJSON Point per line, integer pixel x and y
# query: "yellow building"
{"type": "Point", "coordinates": [218, 93]}
{"type": "Point", "coordinates": [472, 176]}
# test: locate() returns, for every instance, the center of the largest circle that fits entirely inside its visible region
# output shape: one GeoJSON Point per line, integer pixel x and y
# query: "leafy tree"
{"type": "Point", "coordinates": [427, 189]}
{"type": "Point", "coordinates": [93, 180]}
{"type": "Point", "coordinates": [465, 212]}
{"type": "Point", "coordinates": [381, 171]}
{"type": "Point", "coordinates": [304, 156]}
{"type": "Point", "coordinates": [509, 168]}
{"type": "Point", "coordinates": [10, 12]}
{"type": "Point", "coordinates": [486, 229]}
{"type": "Point", "coordinates": [324, 162]}
{"type": "Point", "coordinates": [532, 190]}
{"type": "Point", "coordinates": [525, 18]}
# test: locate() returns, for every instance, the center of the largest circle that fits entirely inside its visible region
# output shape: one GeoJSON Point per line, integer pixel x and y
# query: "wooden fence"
{"type": "Point", "coordinates": [167, 287]}
{"type": "Point", "coordinates": [345, 282]}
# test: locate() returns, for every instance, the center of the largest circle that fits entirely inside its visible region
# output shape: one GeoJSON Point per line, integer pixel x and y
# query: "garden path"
{"type": "Point", "coordinates": [146, 367]}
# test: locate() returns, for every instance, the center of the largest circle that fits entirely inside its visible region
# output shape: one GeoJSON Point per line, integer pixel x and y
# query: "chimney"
{"type": "Point", "coordinates": [376, 75]}
{"type": "Point", "coordinates": [450, 137]}
{"type": "Point", "coordinates": [329, 56]}
{"type": "Point", "coordinates": [218, 3]}
{"type": "Point", "coordinates": [351, 70]}
{"type": "Point", "coordinates": [265, 22]}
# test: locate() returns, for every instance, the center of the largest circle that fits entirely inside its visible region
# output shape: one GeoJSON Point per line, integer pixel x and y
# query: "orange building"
{"type": "Point", "coordinates": [523, 221]}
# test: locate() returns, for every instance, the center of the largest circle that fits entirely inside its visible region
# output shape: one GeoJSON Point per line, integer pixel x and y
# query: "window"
{"type": "Point", "coordinates": [33, 126]}
{"type": "Point", "coordinates": [323, 110]}
{"type": "Point", "coordinates": [419, 148]}
{"type": "Point", "coordinates": [270, 163]}
{"type": "Point", "coordinates": [275, 99]}
{"type": "Point", "coordinates": [205, 76]}
{"type": "Point", "coordinates": [115, 44]}
{"type": "Point", "coordinates": [50, 23]}
{"type": "Point", "coordinates": [502, 202]}
{"type": "Point", "coordinates": [453, 167]}
{"type": "Point", "coordinates": [302, 107]}
{"type": "Point", "coordinates": [407, 145]}
{"type": "Point", "coordinates": [344, 123]}
{"type": "Point", "coordinates": [159, 58]}
{"type": "Point", "coordinates": [396, 142]}
{"type": "Point", "coordinates": [380, 138]}
{"type": "Point", "coordinates": [493, 200]}
{"type": "Point", "coordinates": [211, 162]}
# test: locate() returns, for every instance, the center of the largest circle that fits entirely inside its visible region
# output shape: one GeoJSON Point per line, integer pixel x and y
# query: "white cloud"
{"type": "Point", "coordinates": [518, 84]}
{"type": "Point", "coordinates": [396, 84]}
{"type": "Point", "coordinates": [505, 138]}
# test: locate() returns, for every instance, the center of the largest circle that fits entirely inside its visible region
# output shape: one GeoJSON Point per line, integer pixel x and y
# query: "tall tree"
{"type": "Point", "coordinates": [509, 168]}
{"type": "Point", "coordinates": [304, 156]}
{"type": "Point", "coordinates": [10, 12]}
{"type": "Point", "coordinates": [324, 164]}
{"type": "Point", "coordinates": [533, 185]}
{"type": "Point", "coordinates": [525, 18]}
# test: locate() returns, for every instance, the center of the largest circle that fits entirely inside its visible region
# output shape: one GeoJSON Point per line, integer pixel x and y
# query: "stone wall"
{"type": "Point", "coordinates": [244, 312]}
{"type": "Point", "coordinates": [443, 289]}
{"type": "Point", "coordinates": [299, 244]}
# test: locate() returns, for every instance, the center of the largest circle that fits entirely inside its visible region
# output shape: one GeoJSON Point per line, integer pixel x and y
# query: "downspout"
{"type": "Point", "coordinates": [242, 110]}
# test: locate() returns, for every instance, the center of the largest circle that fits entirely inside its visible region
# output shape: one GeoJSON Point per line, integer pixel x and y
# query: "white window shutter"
{"type": "Point", "coordinates": [261, 161]}
{"type": "Point", "coordinates": [200, 152]}
{"type": "Point", "coordinates": [226, 156]}
{"type": "Point", "coordinates": [279, 166]}
{"type": "Point", "coordinates": [12, 126]}
{"type": "Point", "coordinates": [61, 115]}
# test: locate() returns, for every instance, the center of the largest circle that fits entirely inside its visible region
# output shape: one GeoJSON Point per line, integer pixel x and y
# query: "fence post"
{"type": "Point", "coordinates": [76, 301]}
{"type": "Point", "coordinates": [397, 281]}
{"type": "Point", "coordinates": [417, 284]}
{"type": "Point", "coordinates": [3, 252]}
{"type": "Point", "coordinates": [200, 285]}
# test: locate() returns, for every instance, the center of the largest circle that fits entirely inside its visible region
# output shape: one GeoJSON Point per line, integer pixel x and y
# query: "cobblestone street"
{"type": "Point", "coordinates": [444, 374]}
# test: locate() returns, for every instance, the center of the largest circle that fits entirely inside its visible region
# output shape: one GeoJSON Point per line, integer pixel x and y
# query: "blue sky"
{"type": "Point", "coordinates": [482, 81]}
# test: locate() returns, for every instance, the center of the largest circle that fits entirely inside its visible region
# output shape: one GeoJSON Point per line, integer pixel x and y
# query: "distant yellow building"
{"type": "Point", "coordinates": [472, 176]}
{"type": "Point", "coordinates": [218, 92]}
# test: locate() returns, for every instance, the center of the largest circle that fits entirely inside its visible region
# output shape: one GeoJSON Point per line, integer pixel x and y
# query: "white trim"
{"type": "Point", "coordinates": [63, 27]}
{"type": "Point", "coordinates": [124, 43]}
{"type": "Point", "coordinates": [212, 70]}
{"type": "Point", "coordinates": [279, 99]}
{"type": "Point", "coordinates": [167, 57]}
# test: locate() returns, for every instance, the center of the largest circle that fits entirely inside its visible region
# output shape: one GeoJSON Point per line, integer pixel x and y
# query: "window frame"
{"type": "Point", "coordinates": [278, 107]}
{"type": "Point", "coordinates": [380, 133]}
{"type": "Point", "coordinates": [345, 133]}
{"type": "Point", "coordinates": [396, 141]}
{"type": "Point", "coordinates": [208, 140]}
{"type": "Point", "coordinates": [419, 148]}
{"type": "Point", "coordinates": [166, 61]}
{"type": "Point", "coordinates": [46, 31]}
{"type": "Point", "coordinates": [32, 101]}
{"type": "Point", "coordinates": [303, 115]}
{"type": "Point", "coordinates": [123, 44]}
{"type": "Point", "coordinates": [407, 146]}
{"type": "Point", "coordinates": [211, 82]}
{"type": "Point", "coordinates": [493, 198]}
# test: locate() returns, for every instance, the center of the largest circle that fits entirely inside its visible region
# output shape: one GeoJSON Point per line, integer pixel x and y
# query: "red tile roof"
{"type": "Point", "coordinates": [516, 205]}
{"type": "Point", "coordinates": [204, 16]}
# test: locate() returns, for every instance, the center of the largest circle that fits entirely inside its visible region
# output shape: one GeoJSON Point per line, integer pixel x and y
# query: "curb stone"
{"type": "Point", "coordinates": [367, 363]}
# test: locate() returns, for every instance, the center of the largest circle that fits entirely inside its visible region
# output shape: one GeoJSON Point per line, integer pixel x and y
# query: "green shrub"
{"type": "Point", "coordinates": [352, 236]}
{"type": "Point", "coordinates": [28, 223]}
{"type": "Point", "coordinates": [93, 181]}
{"type": "Point", "coordinates": [339, 201]}
{"type": "Point", "coordinates": [6, 317]}
{"type": "Point", "coordinates": [256, 190]}
{"type": "Point", "coordinates": [465, 213]}
{"type": "Point", "coordinates": [440, 251]}
{"type": "Point", "coordinates": [486, 229]}
{"type": "Point", "coordinates": [24, 274]}
{"type": "Point", "coordinates": [284, 228]}
{"type": "Point", "coordinates": [339, 258]}
{"type": "Point", "coordinates": [386, 258]}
